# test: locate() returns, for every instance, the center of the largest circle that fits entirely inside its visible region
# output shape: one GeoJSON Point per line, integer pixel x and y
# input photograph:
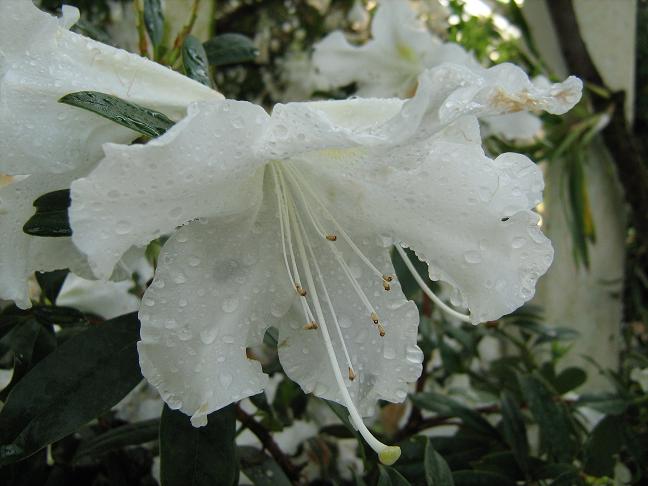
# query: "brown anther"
{"type": "Point", "coordinates": [331, 237]}
{"type": "Point", "coordinates": [388, 278]}
{"type": "Point", "coordinates": [381, 330]}
{"type": "Point", "coordinates": [386, 286]}
{"type": "Point", "coordinates": [300, 290]}
{"type": "Point", "coordinates": [374, 317]}
{"type": "Point", "coordinates": [312, 325]}
{"type": "Point", "coordinates": [352, 375]}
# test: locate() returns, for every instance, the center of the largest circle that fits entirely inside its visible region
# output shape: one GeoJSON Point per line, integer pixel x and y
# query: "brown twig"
{"type": "Point", "coordinates": [617, 135]}
{"type": "Point", "coordinates": [269, 444]}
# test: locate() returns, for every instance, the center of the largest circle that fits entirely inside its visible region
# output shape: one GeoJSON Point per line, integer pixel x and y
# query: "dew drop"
{"type": "Point", "coordinates": [207, 336]}
{"type": "Point", "coordinates": [518, 242]}
{"type": "Point", "coordinates": [194, 261]}
{"type": "Point", "coordinates": [122, 227]}
{"type": "Point", "coordinates": [227, 339]}
{"type": "Point", "coordinates": [225, 379]}
{"type": "Point", "coordinates": [472, 257]}
{"type": "Point", "coordinates": [230, 304]}
{"type": "Point", "coordinates": [389, 352]}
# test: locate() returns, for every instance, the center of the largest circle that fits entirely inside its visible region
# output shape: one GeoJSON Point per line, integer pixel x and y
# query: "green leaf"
{"type": "Point", "coordinates": [154, 21]}
{"type": "Point", "coordinates": [63, 316]}
{"type": "Point", "coordinates": [605, 440]}
{"type": "Point", "coordinates": [388, 476]}
{"type": "Point", "coordinates": [569, 379]}
{"type": "Point", "coordinates": [481, 478]}
{"type": "Point", "coordinates": [260, 468]}
{"type": "Point", "coordinates": [21, 339]}
{"type": "Point", "coordinates": [195, 61]}
{"type": "Point", "coordinates": [514, 430]}
{"type": "Point", "coordinates": [607, 403]}
{"type": "Point", "coordinates": [437, 472]}
{"type": "Point", "coordinates": [552, 417]}
{"type": "Point", "coordinates": [79, 381]}
{"type": "Point", "coordinates": [125, 435]}
{"type": "Point", "coordinates": [447, 406]}
{"type": "Point", "coordinates": [51, 283]}
{"type": "Point", "coordinates": [143, 120]}
{"type": "Point", "coordinates": [230, 49]}
{"type": "Point", "coordinates": [51, 218]}
{"type": "Point", "coordinates": [198, 456]}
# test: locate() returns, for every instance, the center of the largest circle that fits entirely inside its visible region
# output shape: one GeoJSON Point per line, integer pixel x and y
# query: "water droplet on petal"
{"type": "Point", "coordinates": [472, 257]}
{"type": "Point", "coordinates": [230, 304]}
{"type": "Point", "coordinates": [518, 242]}
{"type": "Point", "coordinates": [207, 336]}
{"type": "Point", "coordinates": [225, 379]}
{"type": "Point", "coordinates": [122, 227]}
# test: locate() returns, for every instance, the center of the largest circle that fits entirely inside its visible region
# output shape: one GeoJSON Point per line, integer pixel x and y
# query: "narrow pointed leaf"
{"type": "Point", "coordinates": [79, 381]}
{"type": "Point", "coordinates": [198, 456]}
{"type": "Point", "coordinates": [260, 468]}
{"type": "Point", "coordinates": [143, 120]}
{"type": "Point", "coordinates": [154, 20]}
{"type": "Point", "coordinates": [230, 49]}
{"type": "Point", "coordinates": [126, 435]}
{"type": "Point", "coordinates": [195, 61]}
{"type": "Point", "coordinates": [437, 472]}
{"type": "Point", "coordinates": [51, 217]}
{"type": "Point", "coordinates": [515, 430]}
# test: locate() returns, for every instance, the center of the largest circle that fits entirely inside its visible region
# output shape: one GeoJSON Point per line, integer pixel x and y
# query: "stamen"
{"type": "Point", "coordinates": [301, 181]}
{"type": "Point", "coordinates": [352, 375]}
{"type": "Point", "coordinates": [388, 278]}
{"type": "Point", "coordinates": [386, 286]}
{"type": "Point", "coordinates": [387, 454]}
{"type": "Point", "coordinates": [331, 237]}
{"type": "Point", "coordinates": [300, 290]}
{"type": "Point", "coordinates": [381, 330]}
{"type": "Point", "coordinates": [424, 287]}
{"type": "Point", "coordinates": [374, 318]}
{"type": "Point", "coordinates": [312, 325]}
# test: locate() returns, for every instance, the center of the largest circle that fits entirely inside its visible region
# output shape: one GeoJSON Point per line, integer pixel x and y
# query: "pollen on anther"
{"type": "Point", "coordinates": [374, 318]}
{"type": "Point", "coordinates": [312, 325]}
{"type": "Point", "coordinates": [331, 237]}
{"type": "Point", "coordinates": [386, 286]}
{"type": "Point", "coordinates": [388, 278]}
{"type": "Point", "coordinates": [300, 290]}
{"type": "Point", "coordinates": [352, 375]}
{"type": "Point", "coordinates": [381, 330]}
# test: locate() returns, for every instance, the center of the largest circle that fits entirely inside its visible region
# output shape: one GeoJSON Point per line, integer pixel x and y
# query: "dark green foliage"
{"type": "Point", "coordinates": [139, 119]}
{"type": "Point", "coordinates": [227, 49]}
{"type": "Point", "coordinates": [202, 456]}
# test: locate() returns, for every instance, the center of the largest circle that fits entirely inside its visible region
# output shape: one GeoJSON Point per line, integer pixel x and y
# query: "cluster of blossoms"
{"type": "Point", "coordinates": [284, 219]}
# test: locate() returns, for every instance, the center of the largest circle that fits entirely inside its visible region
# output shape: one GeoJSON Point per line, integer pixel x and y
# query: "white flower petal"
{"type": "Point", "coordinates": [105, 299]}
{"type": "Point", "coordinates": [22, 254]}
{"type": "Point", "coordinates": [466, 215]}
{"type": "Point", "coordinates": [218, 286]}
{"type": "Point", "coordinates": [40, 61]}
{"type": "Point", "coordinates": [203, 166]}
{"type": "Point", "coordinates": [521, 125]}
{"type": "Point", "coordinates": [387, 65]}
{"type": "Point", "coordinates": [505, 88]}
{"type": "Point", "coordinates": [383, 365]}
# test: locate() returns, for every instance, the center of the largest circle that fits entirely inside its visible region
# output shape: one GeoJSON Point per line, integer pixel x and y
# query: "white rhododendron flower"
{"type": "Point", "coordinates": [390, 63]}
{"type": "Point", "coordinates": [287, 220]}
{"type": "Point", "coordinates": [53, 143]}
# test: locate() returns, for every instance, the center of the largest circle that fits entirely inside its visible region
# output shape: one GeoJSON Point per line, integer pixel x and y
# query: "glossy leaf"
{"type": "Point", "coordinates": [514, 430]}
{"type": "Point", "coordinates": [82, 379]}
{"type": "Point", "coordinates": [447, 406]}
{"type": "Point", "coordinates": [481, 478]}
{"type": "Point", "coordinates": [604, 442]}
{"type": "Point", "coordinates": [230, 49]}
{"type": "Point", "coordinates": [51, 217]}
{"type": "Point", "coordinates": [437, 472]}
{"type": "Point", "coordinates": [195, 61]}
{"type": "Point", "coordinates": [51, 283]}
{"type": "Point", "coordinates": [388, 476]}
{"type": "Point", "coordinates": [125, 435]}
{"type": "Point", "coordinates": [552, 417]}
{"type": "Point", "coordinates": [143, 120]}
{"type": "Point", "coordinates": [154, 21]}
{"type": "Point", "coordinates": [260, 468]}
{"type": "Point", "coordinates": [198, 456]}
